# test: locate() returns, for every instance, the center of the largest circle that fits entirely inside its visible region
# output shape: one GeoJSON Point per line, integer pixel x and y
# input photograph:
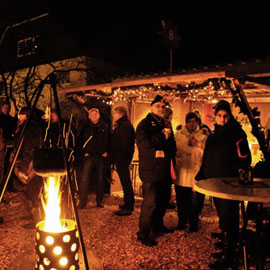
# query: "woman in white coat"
{"type": "Point", "coordinates": [190, 141]}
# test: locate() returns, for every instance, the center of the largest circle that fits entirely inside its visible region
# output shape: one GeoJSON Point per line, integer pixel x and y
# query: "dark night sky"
{"type": "Point", "coordinates": [133, 40]}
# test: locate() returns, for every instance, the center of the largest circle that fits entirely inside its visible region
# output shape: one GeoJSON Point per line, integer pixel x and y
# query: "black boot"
{"type": "Point", "coordinates": [229, 257]}
{"type": "Point", "coordinates": [217, 255]}
{"type": "Point", "coordinates": [219, 243]}
{"type": "Point", "coordinates": [217, 235]}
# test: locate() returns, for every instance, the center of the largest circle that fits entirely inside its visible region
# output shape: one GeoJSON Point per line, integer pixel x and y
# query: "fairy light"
{"type": "Point", "coordinates": [192, 91]}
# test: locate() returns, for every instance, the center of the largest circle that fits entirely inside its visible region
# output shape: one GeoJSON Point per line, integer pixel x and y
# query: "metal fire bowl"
{"type": "Point", "coordinates": [57, 250]}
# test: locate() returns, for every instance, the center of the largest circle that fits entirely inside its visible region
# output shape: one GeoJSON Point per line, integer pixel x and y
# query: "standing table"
{"type": "Point", "coordinates": [230, 189]}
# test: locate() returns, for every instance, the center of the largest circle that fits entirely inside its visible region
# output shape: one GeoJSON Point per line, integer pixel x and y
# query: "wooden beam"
{"type": "Point", "coordinates": [176, 79]}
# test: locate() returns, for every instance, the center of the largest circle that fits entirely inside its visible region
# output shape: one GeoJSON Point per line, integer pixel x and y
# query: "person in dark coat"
{"type": "Point", "coordinates": [23, 169]}
{"type": "Point", "coordinates": [8, 124]}
{"type": "Point", "coordinates": [122, 150]}
{"type": "Point", "coordinates": [226, 153]}
{"type": "Point", "coordinates": [93, 143]}
{"type": "Point", "coordinates": [153, 141]}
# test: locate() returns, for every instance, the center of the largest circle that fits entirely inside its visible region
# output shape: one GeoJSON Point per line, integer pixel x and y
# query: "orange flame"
{"type": "Point", "coordinates": [51, 204]}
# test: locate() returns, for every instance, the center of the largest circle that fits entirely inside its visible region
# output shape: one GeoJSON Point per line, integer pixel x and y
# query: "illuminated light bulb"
{"type": "Point", "coordinates": [41, 267]}
{"type": "Point", "coordinates": [57, 250]}
{"type": "Point", "coordinates": [37, 235]}
{"type": "Point", "coordinates": [66, 238]}
{"type": "Point", "coordinates": [73, 247]}
{"type": "Point", "coordinates": [42, 249]}
{"type": "Point", "coordinates": [63, 261]}
{"type": "Point", "coordinates": [72, 267]}
{"type": "Point", "coordinates": [37, 258]}
{"type": "Point", "coordinates": [49, 240]}
{"type": "Point", "coordinates": [46, 261]}
{"type": "Point", "coordinates": [76, 256]}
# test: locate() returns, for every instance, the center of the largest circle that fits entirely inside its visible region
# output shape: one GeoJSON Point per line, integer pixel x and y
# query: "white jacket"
{"type": "Point", "coordinates": [188, 158]}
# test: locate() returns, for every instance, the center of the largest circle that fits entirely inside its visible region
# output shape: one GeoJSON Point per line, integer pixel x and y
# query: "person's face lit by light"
{"type": "Point", "coordinates": [22, 118]}
{"type": "Point", "coordinates": [94, 116]}
{"type": "Point", "coordinates": [5, 109]}
{"type": "Point", "coordinates": [222, 118]}
{"type": "Point", "coordinates": [158, 109]}
{"type": "Point", "coordinates": [116, 115]}
{"type": "Point", "coordinates": [192, 124]}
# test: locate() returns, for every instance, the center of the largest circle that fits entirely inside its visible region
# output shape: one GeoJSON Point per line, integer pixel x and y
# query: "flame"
{"type": "Point", "coordinates": [51, 204]}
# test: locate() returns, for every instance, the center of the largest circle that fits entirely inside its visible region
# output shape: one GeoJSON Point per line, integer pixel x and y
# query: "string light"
{"type": "Point", "coordinates": [205, 92]}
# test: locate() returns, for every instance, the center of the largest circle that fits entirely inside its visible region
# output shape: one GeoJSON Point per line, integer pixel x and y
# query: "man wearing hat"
{"type": "Point", "coordinates": [93, 142]}
{"type": "Point", "coordinates": [154, 146]}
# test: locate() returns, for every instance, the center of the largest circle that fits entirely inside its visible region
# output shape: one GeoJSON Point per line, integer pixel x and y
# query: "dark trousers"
{"type": "Point", "coordinates": [153, 208]}
{"type": "Point", "coordinates": [92, 164]}
{"type": "Point", "coordinates": [228, 213]}
{"type": "Point", "coordinates": [122, 168]}
{"type": "Point", "coordinates": [189, 205]}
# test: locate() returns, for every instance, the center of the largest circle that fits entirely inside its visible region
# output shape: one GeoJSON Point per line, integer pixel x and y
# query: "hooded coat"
{"type": "Point", "coordinates": [226, 151]}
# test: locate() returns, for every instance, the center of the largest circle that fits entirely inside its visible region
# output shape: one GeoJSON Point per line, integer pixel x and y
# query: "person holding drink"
{"type": "Point", "coordinates": [190, 142]}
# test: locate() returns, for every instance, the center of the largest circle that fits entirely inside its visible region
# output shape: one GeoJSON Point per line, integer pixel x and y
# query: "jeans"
{"type": "Point", "coordinates": [92, 164]}
{"type": "Point", "coordinates": [122, 168]}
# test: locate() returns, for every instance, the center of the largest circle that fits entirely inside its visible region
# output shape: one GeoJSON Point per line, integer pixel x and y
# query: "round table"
{"type": "Point", "coordinates": [231, 189]}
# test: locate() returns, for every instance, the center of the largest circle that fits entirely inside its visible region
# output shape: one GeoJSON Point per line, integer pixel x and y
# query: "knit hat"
{"type": "Point", "coordinates": [157, 99]}
{"type": "Point", "coordinates": [223, 105]}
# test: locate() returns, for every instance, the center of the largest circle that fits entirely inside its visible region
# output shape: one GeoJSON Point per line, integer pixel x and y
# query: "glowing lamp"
{"type": "Point", "coordinates": [57, 250]}
{"type": "Point", "coordinates": [57, 239]}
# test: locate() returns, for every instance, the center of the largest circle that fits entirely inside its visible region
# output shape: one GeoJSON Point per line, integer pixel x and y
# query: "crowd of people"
{"type": "Point", "coordinates": [166, 159]}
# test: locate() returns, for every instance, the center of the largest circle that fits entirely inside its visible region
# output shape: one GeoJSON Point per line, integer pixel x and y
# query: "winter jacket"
{"type": "Point", "coordinates": [93, 139]}
{"type": "Point", "coordinates": [226, 151]}
{"type": "Point", "coordinates": [122, 140]}
{"type": "Point", "coordinates": [188, 158]}
{"type": "Point", "coordinates": [8, 124]}
{"type": "Point", "coordinates": [33, 139]}
{"type": "Point", "coordinates": [155, 152]}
